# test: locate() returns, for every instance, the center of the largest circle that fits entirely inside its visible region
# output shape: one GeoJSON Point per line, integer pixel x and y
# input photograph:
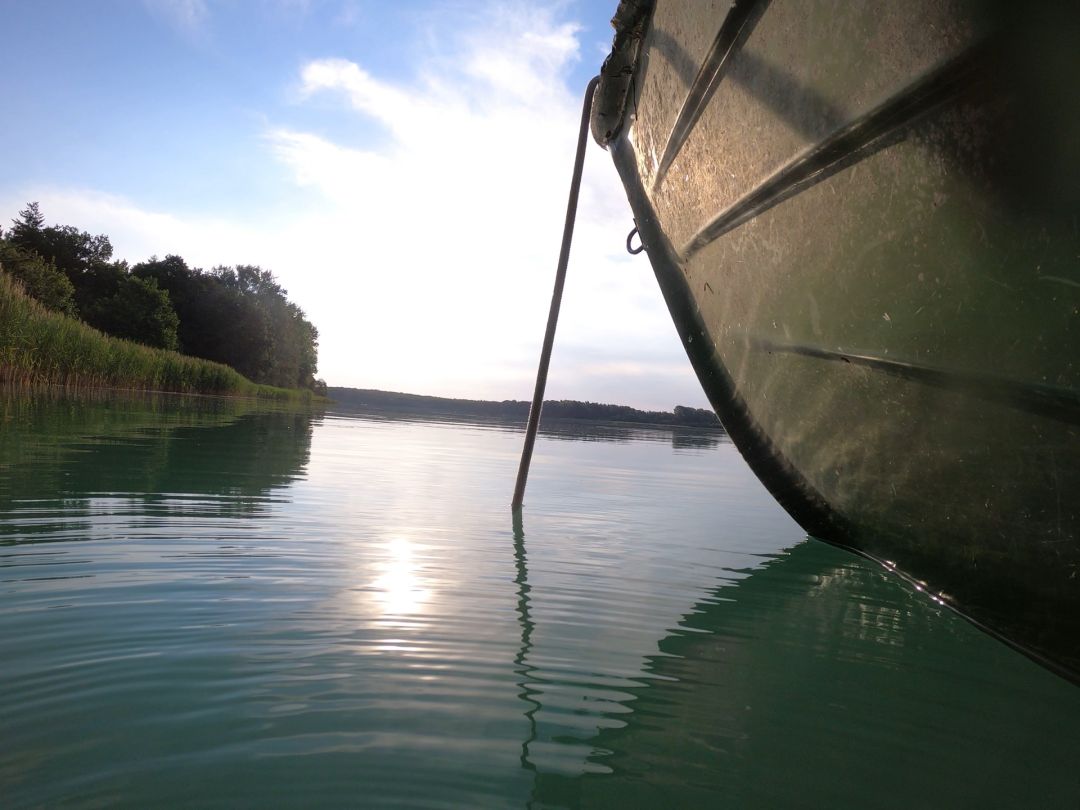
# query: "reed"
{"type": "Point", "coordinates": [40, 347]}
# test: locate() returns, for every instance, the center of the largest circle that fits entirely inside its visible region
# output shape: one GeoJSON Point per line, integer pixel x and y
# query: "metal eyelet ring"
{"type": "Point", "coordinates": [629, 238]}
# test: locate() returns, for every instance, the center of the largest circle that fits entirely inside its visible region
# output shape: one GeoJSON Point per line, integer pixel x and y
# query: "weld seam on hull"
{"type": "Point", "coordinates": [885, 125]}
{"type": "Point", "coordinates": [1041, 400]}
{"type": "Point", "coordinates": [733, 32]}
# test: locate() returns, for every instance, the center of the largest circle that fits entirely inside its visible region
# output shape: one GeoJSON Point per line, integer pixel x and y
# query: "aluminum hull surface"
{"type": "Point", "coordinates": [864, 220]}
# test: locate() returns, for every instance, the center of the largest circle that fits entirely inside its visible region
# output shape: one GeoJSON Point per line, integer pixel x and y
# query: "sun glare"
{"type": "Point", "coordinates": [399, 588]}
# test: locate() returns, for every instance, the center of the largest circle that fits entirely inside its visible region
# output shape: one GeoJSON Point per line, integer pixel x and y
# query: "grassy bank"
{"type": "Point", "coordinates": [39, 347]}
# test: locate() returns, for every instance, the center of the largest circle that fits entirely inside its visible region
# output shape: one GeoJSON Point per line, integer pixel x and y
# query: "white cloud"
{"type": "Point", "coordinates": [392, 107]}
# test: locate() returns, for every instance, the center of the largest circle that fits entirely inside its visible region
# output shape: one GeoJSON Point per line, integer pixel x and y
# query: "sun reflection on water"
{"type": "Point", "coordinates": [400, 590]}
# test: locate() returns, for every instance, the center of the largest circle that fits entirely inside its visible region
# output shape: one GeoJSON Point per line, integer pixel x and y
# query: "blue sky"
{"type": "Point", "coordinates": [401, 167]}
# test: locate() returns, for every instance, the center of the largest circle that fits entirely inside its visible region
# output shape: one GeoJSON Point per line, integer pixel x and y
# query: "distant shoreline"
{"type": "Point", "coordinates": [518, 410]}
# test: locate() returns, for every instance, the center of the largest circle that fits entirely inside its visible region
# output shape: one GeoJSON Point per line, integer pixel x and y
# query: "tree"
{"type": "Point", "coordinates": [695, 416]}
{"type": "Point", "coordinates": [72, 250]}
{"type": "Point", "coordinates": [94, 286]}
{"type": "Point", "coordinates": [82, 257]}
{"type": "Point", "coordinates": [171, 273]}
{"type": "Point", "coordinates": [277, 345]}
{"type": "Point", "coordinates": [40, 278]}
{"type": "Point", "coordinates": [139, 311]}
{"type": "Point", "coordinates": [194, 298]}
{"type": "Point", "coordinates": [28, 224]}
{"type": "Point", "coordinates": [27, 232]}
{"type": "Point", "coordinates": [239, 316]}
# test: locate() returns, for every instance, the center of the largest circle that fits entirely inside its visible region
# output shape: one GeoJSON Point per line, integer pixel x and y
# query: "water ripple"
{"type": "Point", "coordinates": [266, 611]}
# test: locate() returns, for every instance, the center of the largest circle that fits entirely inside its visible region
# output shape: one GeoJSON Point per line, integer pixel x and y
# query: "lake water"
{"type": "Point", "coordinates": [206, 605]}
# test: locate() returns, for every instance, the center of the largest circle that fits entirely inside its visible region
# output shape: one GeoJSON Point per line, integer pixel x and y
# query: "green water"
{"type": "Point", "coordinates": [206, 605]}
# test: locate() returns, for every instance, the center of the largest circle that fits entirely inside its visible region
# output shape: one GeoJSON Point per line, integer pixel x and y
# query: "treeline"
{"type": "Point", "coordinates": [39, 346]}
{"type": "Point", "coordinates": [238, 316]}
{"type": "Point", "coordinates": [681, 416]}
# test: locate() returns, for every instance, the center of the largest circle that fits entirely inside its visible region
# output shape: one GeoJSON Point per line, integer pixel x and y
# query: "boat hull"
{"type": "Point", "coordinates": [863, 223]}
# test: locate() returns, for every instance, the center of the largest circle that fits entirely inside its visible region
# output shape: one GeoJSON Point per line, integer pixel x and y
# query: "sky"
{"type": "Point", "coordinates": [402, 168]}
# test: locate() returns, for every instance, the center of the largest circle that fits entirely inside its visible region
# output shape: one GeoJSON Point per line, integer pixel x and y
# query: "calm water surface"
{"type": "Point", "coordinates": [202, 606]}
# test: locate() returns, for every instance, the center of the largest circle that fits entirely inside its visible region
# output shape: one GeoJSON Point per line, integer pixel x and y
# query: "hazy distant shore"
{"type": "Point", "coordinates": [518, 410]}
